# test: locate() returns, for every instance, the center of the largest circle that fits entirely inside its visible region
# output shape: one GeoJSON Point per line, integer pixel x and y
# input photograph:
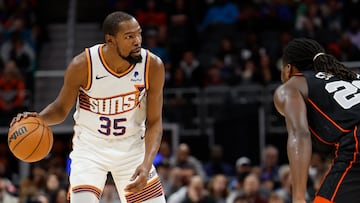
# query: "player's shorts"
{"type": "Point", "coordinates": [342, 183]}
{"type": "Point", "coordinates": [93, 157]}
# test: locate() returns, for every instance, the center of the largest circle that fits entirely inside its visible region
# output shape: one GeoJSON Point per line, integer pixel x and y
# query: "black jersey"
{"type": "Point", "coordinates": [333, 105]}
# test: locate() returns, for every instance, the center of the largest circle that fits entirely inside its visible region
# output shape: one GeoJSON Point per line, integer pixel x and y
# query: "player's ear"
{"type": "Point", "coordinates": [109, 39]}
{"type": "Point", "coordinates": [288, 69]}
{"type": "Point", "coordinates": [286, 72]}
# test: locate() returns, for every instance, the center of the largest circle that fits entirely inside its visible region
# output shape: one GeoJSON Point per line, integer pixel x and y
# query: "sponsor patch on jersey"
{"type": "Point", "coordinates": [136, 77]}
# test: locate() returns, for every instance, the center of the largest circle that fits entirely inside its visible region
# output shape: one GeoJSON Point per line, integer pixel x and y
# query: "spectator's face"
{"type": "Point", "coordinates": [271, 157]}
{"type": "Point", "coordinates": [220, 183]}
{"type": "Point", "coordinates": [165, 149]}
{"type": "Point", "coordinates": [61, 196]}
{"type": "Point", "coordinates": [187, 174]}
{"type": "Point", "coordinates": [183, 153]}
{"type": "Point", "coordinates": [52, 182]}
{"type": "Point", "coordinates": [251, 184]}
{"type": "Point", "coordinates": [188, 57]}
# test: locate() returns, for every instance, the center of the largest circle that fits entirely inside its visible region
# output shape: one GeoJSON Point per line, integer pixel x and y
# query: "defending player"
{"type": "Point", "coordinates": [320, 97]}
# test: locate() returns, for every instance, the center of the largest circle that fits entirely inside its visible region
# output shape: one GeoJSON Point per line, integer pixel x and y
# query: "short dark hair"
{"type": "Point", "coordinates": [301, 53]}
{"type": "Point", "coordinates": [112, 21]}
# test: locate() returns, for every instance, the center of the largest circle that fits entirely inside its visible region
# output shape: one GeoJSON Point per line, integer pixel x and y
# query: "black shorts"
{"type": "Point", "coordinates": [342, 183]}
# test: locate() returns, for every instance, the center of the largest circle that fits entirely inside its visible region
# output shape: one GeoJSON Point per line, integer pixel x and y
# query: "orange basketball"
{"type": "Point", "coordinates": [30, 139]}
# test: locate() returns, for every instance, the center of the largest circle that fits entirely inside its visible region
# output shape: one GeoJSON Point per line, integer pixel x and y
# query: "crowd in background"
{"type": "Point", "coordinates": [185, 178]}
{"type": "Point", "coordinates": [22, 33]}
{"type": "Point", "coordinates": [202, 43]}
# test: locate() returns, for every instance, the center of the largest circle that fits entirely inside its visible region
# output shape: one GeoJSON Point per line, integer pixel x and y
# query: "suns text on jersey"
{"type": "Point", "coordinates": [111, 105]}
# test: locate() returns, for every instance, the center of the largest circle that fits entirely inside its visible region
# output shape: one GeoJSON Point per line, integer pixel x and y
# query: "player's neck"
{"type": "Point", "coordinates": [114, 61]}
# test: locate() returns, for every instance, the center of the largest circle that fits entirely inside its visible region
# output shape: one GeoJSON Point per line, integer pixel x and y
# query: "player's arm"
{"type": "Point", "coordinates": [154, 128]}
{"type": "Point", "coordinates": [290, 103]}
{"type": "Point", "coordinates": [153, 133]}
{"type": "Point", "coordinates": [75, 77]}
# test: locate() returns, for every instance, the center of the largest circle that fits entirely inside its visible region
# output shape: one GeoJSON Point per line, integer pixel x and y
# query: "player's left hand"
{"type": "Point", "coordinates": [139, 179]}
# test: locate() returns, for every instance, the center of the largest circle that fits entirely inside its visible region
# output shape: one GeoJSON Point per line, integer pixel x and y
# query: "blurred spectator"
{"type": "Point", "coordinates": [224, 61]}
{"type": "Point", "coordinates": [61, 196]}
{"type": "Point", "coordinates": [276, 14]}
{"type": "Point", "coordinates": [228, 53]}
{"type": "Point", "coordinates": [251, 190]}
{"type": "Point", "coordinates": [249, 72]}
{"type": "Point", "coordinates": [218, 188]}
{"type": "Point", "coordinates": [7, 191]}
{"type": "Point", "coordinates": [12, 93]}
{"type": "Point", "coordinates": [178, 185]}
{"type": "Point", "coordinates": [318, 163]}
{"type": "Point", "coordinates": [164, 154]}
{"type": "Point", "coordinates": [241, 199]}
{"type": "Point", "coordinates": [22, 54]}
{"type": "Point", "coordinates": [184, 160]}
{"type": "Point", "coordinates": [192, 68]}
{"type": "Point", "coordinates": [34, 184]}
{"type": "Point", "coordinates": [309, 29]}
{"type": "Point", "coordinates": [252, 47]}
{"type": "Point", "coordinates": [284, 191]}
{"type": "Point", "coordinates": [175, 183]}
{"type": "Point", "coordinates": [319, 166]}
{"type": "Point", "coordinates": [308, 13]}
{"type": "Point", "coordinates": [242, 169]}
{"type": "Point", "coordinates": [213, 76]}
{"type": "Point", "coordinates": [52, 186]}
{"type": "Point", "coordinates": [9, 164]}
{"type": "Point", "coordinates": [269, 165]}
{"type": "Point", "coordinates": [347, 50]}
{"type": "Point", "coordinates": [249, 16]}
{"type": "Point", "coordinates": [182, 33]}
{"type": "Point", "coordinates": [269, 73]}
{"type": "Point", "coordinates": [164, 171]}
{"type": "Point", "coordinates": [217, 164]}
{"type": "Point", "coordinates": [196, 192]}
{"type": "Point", "coordinates": [178, 80]}
{"type": "Point", "coordinates": [150, 17]}
{"type": "Point", "coordinates": [220, 12]}
{"type": "Point", "coordinates": [332, 15]}
{"type": "Point", "coordinates": [275, 198]}
{"type": "Point", "coordinates": [193, 191]}
{"type": "Point", "coordinates": [152, 43]}
{"type": "Point", "coordinates": [354, 32]}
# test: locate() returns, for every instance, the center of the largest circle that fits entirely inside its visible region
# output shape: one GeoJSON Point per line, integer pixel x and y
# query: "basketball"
{"type": "Point", "coordinates": [30, 139]}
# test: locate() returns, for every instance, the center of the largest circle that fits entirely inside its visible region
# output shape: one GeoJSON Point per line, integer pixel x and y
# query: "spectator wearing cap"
{"type": "Point", "coordinates": [242, 169]}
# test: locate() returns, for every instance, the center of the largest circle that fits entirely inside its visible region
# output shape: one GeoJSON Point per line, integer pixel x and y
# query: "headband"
{"type": "Point", "coordinates": [318, 54]}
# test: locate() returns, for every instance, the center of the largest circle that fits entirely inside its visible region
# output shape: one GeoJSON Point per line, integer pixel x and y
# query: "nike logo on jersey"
{"type": "Point", "coordinates": [100, 77]}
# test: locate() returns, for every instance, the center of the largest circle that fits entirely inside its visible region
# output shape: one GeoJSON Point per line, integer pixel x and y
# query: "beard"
{"type": "Point", "coordinates": [131, 59]}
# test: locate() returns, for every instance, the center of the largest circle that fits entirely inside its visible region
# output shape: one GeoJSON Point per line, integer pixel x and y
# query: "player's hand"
{"type": "Point", "coordinates": [139, 179]}
{"type": "Point", "coordinates": [21, 116]}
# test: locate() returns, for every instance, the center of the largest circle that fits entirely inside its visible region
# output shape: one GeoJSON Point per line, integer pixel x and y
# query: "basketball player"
{"type": "Point", "coordinates": [117, 87]}
{"type": "Point", "coordinates": [320, 99]}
